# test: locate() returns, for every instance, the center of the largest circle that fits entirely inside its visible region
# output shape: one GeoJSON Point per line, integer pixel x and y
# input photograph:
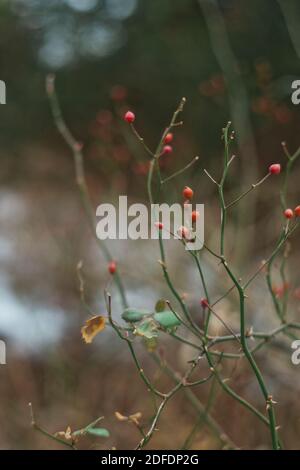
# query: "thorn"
{"type": "Point", "coordinates": [249, 332]}
{"type": "Point", "coordinates": [162, 263]}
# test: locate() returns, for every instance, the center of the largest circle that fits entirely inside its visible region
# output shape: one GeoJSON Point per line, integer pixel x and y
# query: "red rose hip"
{"type": "Point", "coordinates": [275, 169]}
{"type": "Point", "coordinates": [297, 211]}
{"type": "Point", "coordinates": [112, 267]}
{"type": "Point", "coordinates": [195, 216]}
{"type": "Point", "coordinates": [188, 193]}
{"type": "Point", "coordinates": [168, 138]}
{"type": "Point", "coordinates": [288, 214]}
{"type": "Point", "coordinates": [129, 117]}
{"type": "Point", "coordinates": [167, 149]}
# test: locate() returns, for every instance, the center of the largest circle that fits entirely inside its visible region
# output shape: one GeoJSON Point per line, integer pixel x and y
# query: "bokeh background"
{"type": "Point", "coordinates": [231, 59]}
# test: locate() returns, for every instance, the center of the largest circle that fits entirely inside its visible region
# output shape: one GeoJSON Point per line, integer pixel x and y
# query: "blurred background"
{"type": "Point", "coordinates": [232, 60]}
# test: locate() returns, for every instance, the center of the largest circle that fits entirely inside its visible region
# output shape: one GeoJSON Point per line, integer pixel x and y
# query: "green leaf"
{"type": "Point", "coordinates": [147, 328]}
{"type": "Point", "coordinates": [167, 319]}
{"type": "Point", "coordinates": [83, 431]}
{"type": "Point", "coordinates": [133, 315]}
{"type": "Point", "coordinates": [100, 432]}
{"type": "Point", "coordinates": [161, 305]}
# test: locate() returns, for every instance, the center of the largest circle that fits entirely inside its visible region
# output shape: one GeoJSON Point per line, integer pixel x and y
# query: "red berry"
{"type": "Point", "coordinates": [168, 138]}
{"type": "Point", "coordinates": [275, 169]}
{"type": "Point", "coordinates": [159, 225]}
{"type": "Point", "coordinates": [297, 211]}
{"type": "Point", "coordinates": [188, 193]}
{"type": "Point", "coordinates": [129, 116]}
{"type": "Point", "coordinates": [195, 216]}
{"type": "Point", "coordinates": [112, 267]}
{"type": "Point", "coordinates": [204, 303]}
{"type": "Point", "coordinates": [167, 149]}
{"type": "Point", "coordinates": [288, 214]}
{"type": "Point", "coordinates": [183, 232]}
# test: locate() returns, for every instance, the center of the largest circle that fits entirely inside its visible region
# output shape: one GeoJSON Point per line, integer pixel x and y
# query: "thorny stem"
{"type": "Point", "coordinates": [251, 360]}
{"type": "Point", "coordinates": [182, 383]}
{"type": "Point", "coordinates": [149, 187]}
{"type": "Point", "coordinates": [163, 261]}
{"type": "Point", "coordinates": [200, 420]}
{"type": "Point", "coordinates": [196, 256]}
{"type": "Point", "coordinates": [241, 293]}
{"type": "Point", "coordinates": [268, 398]}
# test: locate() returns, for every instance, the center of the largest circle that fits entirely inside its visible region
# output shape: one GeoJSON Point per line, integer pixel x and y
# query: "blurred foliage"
{"type": "Point", "coordinates": [110, 55]}
{"type": "Point", "coordinates": [159, 50]}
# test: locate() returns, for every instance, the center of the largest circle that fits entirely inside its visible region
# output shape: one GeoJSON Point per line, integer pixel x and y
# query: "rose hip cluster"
{"type": "Point", "coordinates": [290, 213]}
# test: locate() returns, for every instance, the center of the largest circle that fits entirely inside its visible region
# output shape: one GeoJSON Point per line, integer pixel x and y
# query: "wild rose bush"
{"type": "Point", "coordinates": [172, 316]}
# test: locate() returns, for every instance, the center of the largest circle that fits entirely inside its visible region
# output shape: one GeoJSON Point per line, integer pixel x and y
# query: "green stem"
{"type": "Point", "coordinates": [267, 396]}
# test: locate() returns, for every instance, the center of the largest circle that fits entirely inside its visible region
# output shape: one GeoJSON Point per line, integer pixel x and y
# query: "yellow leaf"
{"type": "Point", "coordinates": [120, 417]}
{"type": "Point", "coordinates": [135, 417]}
{"type": "Point", "coordinates": [92, 327]}
{"type": "Point", "coordinates": [67, 434]}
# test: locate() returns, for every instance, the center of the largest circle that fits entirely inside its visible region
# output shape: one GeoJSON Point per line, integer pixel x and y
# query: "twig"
{"type": "Point", "coordinates": [177, 173]}
{"type": "Point", "coordinates": [76, 148]}
{"type": "Point", "coordinates": [46, 433]}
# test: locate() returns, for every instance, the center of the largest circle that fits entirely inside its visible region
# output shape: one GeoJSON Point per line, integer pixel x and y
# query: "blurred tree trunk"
{"type": "Point", "coordinates": [240, 115]}
{"type": "Point", "coordinates": [291, 12]}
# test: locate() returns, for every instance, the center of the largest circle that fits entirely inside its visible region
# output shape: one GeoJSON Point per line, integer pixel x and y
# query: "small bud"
{"type": "Point", "coordinates": [275, 169]}
{"type": "Point", "coordinates": [112, 267]}
{"type": "Point", "coordinates": [188, 193]}
{"type": "Point", "coordinates": [204, 303]}
{"type": "Point", "coordinates": [168, 138]}
{"type": "Point", "coordinates": [159, 225]}
{"type": "Point", "coordinates": [129, 116]}
{"type": "Point", "coordinates": [288, 214]}
{"type": "Point", "coordinates": [167, 149]}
